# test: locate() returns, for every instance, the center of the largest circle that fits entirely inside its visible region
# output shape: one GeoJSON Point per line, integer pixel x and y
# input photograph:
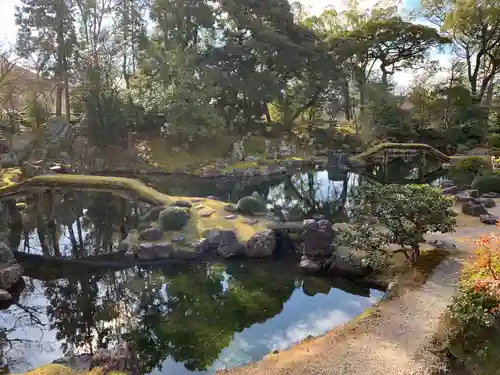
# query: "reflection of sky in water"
{"type": "Point", "coordinates": [33, 344]}
{"type": "Point", "coordinates": [301, 316]}
{"type": "Point", "coordinates": [323, 190]}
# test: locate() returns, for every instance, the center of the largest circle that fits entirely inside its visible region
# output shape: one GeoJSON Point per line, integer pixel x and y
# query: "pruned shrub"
{"type": "Point", "coordinates": [487, 184]}
{"type": "Point", "coordinates": [407, 212]}
{"type": "Point", "coordinates": [467, 169]}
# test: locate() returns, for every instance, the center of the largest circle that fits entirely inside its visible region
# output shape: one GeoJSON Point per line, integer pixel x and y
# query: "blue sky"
{"type": "Point", "coordinates": [403, 79]}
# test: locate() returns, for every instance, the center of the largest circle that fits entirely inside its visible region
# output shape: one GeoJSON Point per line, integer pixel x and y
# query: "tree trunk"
{"type": "Point", "coordinates": [347, 101]}
{"type": "Point", "coordinates": [60, 66]}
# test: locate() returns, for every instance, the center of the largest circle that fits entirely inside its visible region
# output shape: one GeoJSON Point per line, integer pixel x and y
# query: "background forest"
{"type": "Point", "coordinates": [193, 69]}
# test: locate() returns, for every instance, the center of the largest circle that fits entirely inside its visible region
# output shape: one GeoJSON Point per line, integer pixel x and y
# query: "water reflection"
{"type": "Point", "coordinates": [91, 224]}
{"type": "Point", "coordinates": [308, 194]}
{"type": "Point", "coordinates": [185, 320]}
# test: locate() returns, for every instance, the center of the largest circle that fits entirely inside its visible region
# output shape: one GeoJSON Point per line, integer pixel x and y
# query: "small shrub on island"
{"type": "Point", "coordinates": [407, 211]}
{"type": "Point", "coordinates": [174, 218]}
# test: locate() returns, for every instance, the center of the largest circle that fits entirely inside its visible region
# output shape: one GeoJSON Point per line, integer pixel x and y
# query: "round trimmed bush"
{"type": "Point", "coordinates": [250, 205]}
{"type": "Point", "coordinates": [487, 184]}
{"type": "Point", "coordinates": [174, 218]}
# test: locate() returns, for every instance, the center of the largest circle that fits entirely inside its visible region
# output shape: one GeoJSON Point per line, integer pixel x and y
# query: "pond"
{"type": "Point", "coordinates": [183, 319]}
{"type": "Point", "coordinates": [305, 194]}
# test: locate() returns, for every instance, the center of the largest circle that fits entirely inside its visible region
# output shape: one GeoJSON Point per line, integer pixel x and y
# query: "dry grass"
{"type": "Point", "coordinates": [55, 369]}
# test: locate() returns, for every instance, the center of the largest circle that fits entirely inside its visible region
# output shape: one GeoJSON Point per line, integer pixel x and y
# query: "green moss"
{"type": "Point", "coordinates": [8, 175]}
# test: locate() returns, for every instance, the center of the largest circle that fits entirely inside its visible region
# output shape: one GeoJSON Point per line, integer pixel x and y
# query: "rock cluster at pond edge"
{"type": "Point", "coordinates": [190, 227]}
{"type": "Point", "coordinates": [11, 272]}
{"type": "Point", "coordinates": [319, 252]}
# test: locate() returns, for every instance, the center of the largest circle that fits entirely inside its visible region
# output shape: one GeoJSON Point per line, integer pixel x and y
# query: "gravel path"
{"type": "Point", "coordinates": [393, 343]}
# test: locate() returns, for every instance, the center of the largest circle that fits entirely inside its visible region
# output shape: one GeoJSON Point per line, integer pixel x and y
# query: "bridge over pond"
{"type": "Point", "coordinates": [384, 151]}
{"type": "Point", "coordinates": [422, 161]}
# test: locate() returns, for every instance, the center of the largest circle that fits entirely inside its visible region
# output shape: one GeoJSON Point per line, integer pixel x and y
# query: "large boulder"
{"type": "Point", "coordinates": [488, 219]}
{"type": "Point", "coordinates": [29, 170]}
{"type": "Point", "coordinates": [487, 202]}
{"type": "Point", "coordinates": [182, 203]}
{"type": "Point", "coordinates": [11, 272]}
{"type": "Point", "coordinates": [4, 295]}
{"type": "Point", "coordinates": [229, 245]}
{"type": "Point", "coordinates": [122, 359]}
{"type": "Point", "coordinates": [146, 251]}
{"type": "Point", "coordinates": [174, 218]}
{"type": "Point", "coordinates": [318, 239]}
{"type": "Point", "coordinates": [261, 244]}
{"type": "Point", "coordinates": [10, 275]}
{"type": "Point", "coordinates": [451, 190]}
{"type": "Point", "coordinates": [472, 208]}
{"type": "Point", "coordinates": [6, 255]}
{"type": "Point", "coordinates": [224, 242]}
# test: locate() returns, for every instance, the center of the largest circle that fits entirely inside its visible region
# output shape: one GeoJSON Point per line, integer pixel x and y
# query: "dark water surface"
{"type": "Point", "coordinates": [183, 319]}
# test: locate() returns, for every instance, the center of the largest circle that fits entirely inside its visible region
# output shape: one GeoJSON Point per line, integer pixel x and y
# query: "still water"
{"type": "Point", "coordinates": [183, 320]}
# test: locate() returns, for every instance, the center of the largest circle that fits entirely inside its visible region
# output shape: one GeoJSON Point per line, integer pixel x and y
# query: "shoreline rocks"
{"type": "Point", "coordinates": [11, 272]}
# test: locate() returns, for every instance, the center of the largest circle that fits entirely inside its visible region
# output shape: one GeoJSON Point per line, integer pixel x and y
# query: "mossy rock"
{"type": "Point", "coordinates": [250, 206]}
{"type": "Point", "coordinates": [174, 218]}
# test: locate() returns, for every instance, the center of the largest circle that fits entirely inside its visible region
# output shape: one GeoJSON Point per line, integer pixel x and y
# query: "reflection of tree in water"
{"type": "Point", "coordinates": [402, 169]}
{"type": "Point", "coordinates": [190, 313]}
{"type": "Point", "coordinates": [92, 222]}
{"type": "Point", "coordinates": [310, 193]}
{"type": "Point", "coordinates": [200, 316]}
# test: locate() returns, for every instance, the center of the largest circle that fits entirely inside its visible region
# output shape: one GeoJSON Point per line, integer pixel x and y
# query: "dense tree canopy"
{"type": "Point", "coordinates": [195, 68]}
